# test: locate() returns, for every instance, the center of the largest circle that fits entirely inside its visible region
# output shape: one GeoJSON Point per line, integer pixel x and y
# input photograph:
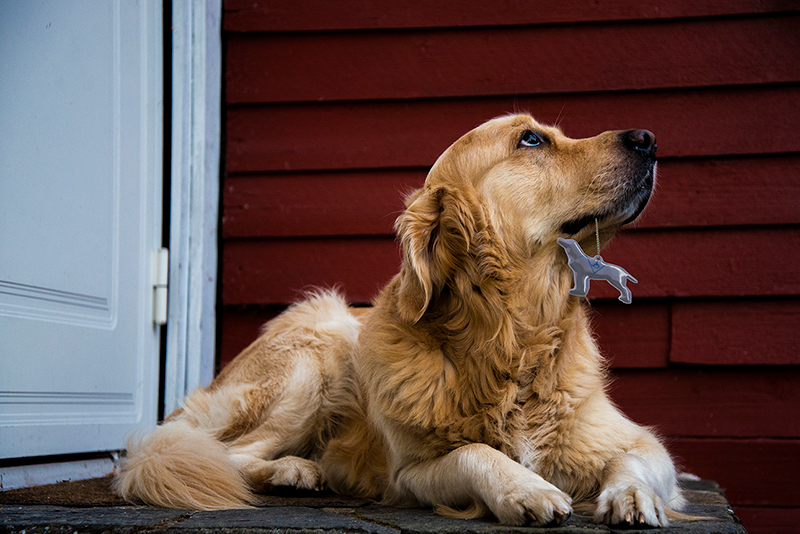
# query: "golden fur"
{"type": "Point", "coordinates": [473, 385]}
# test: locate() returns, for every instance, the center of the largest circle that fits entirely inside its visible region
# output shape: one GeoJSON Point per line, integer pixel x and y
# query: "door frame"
{"type": "Point", "coordinates": [194, 205]}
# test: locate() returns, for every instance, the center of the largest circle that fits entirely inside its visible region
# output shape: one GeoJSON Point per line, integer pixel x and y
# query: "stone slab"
{"type": "Point", "coordinates": [326, 513]}
{"type": "Point", "coordinates": [294, 519]}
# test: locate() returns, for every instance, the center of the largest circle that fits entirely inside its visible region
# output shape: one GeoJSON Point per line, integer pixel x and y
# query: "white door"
{"type": "Point", "coordinates": [80, 218]}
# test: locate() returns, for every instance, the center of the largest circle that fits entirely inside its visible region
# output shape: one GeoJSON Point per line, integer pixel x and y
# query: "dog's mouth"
{"type": "Point", "coordinates": [576, 225]}
{"type": "Point", "coordinates": [623, 210]}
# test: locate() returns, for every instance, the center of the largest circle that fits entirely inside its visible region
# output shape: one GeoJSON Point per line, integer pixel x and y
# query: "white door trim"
{"type": "Point", "coordinates": [195, 172]}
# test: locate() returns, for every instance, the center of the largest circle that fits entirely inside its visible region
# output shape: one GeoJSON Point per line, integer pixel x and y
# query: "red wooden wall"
{"type": "Point", "coordinates": [335, 109]}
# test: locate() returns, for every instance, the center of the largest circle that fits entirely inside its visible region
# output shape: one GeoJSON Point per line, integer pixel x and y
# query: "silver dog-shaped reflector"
{"type": "Point", "coordinates": [585, 268]}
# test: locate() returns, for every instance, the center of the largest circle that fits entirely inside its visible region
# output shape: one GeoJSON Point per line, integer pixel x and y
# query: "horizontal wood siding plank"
{"type": "Point", "coordinates": [730, 402]}
{"type": "Point", "coordinates": [316, 204]}
{"type": "Point", "coordinates": [736, 191]}
{"type": "Point", "coordinates": [633, 337]}
{"type": "Point", "coordinates": [314, 15]}
{"type": "Point", "coordinates": [749, 332]}
{"type": "Point", "coordinates": [413, 133]}
{"type": "Point", "coordinates": [279, 271]}
{"type": "Point", "coordinates": [768, 520]}
{"type": "Point", "coordinates": [739, 191]}
{"type": "Point", "coordinates": [706, 262]}
{"type": "Point", "coordinates": [311, 67]}
{"type": "Point", "coordinates": [686, 263]}
{"type": "Point", "coordinates": [752, 472]}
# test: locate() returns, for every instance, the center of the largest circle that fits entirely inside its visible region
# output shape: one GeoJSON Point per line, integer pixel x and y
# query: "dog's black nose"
{"type": "Point", "coordinates": [642, 141]}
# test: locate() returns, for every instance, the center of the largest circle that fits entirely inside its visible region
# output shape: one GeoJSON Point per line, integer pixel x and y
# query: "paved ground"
{"type": "Point", "coordinates": [85, 508]}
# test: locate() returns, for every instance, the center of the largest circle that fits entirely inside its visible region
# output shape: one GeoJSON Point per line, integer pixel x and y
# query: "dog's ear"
{"type": "Point", "coordinates": [435, 231]}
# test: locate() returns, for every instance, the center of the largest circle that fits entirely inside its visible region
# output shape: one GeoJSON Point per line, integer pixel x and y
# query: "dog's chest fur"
{"type": "Point", "coordinates": [513, 384]}
{"type": "Point", "coordinates": [512, 403]}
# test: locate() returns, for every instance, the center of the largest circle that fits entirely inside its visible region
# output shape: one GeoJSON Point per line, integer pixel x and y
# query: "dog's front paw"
{"type": "Point", "coordinates": [536, 503]}
{"type": "Point", "coordinates": [632, 505]}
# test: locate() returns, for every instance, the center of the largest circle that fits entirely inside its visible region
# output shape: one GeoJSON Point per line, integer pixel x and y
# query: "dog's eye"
{"type": "Point", "coordinates": [530, 139]}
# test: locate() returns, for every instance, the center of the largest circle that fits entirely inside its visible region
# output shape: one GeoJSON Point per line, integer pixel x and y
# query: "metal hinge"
{"type": "Point", "coordinates": [160, 285]}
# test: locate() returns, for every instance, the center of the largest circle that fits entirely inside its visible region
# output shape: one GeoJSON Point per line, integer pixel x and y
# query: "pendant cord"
{"type": "Point", "coordinates": [597, 234]}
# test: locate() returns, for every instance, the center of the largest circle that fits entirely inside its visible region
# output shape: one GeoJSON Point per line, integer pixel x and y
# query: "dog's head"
{"type": "Point", "coordinates": [511, 188]}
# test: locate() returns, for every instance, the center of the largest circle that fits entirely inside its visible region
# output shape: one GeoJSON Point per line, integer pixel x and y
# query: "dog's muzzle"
{"type": "Point", "coordinates": [640, 151]}
{"type": "Point", "coordinates": [642, 145]}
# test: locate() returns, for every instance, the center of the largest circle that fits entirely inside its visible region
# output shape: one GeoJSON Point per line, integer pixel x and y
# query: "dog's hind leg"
{"type": "Point", "coordinates": [293, 429]}
{"type": "Point", "coordinates": [263, 475]}
{"type": "Point", "coordinates": [271, 401]}
{"type": "Point", "coordinates": [270, 454]}
{"type": "Point", "coordinates": [316, 340]}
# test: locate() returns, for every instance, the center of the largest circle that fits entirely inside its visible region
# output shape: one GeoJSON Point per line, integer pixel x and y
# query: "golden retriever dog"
{"type": "Point", "coordinates": [473, 385]}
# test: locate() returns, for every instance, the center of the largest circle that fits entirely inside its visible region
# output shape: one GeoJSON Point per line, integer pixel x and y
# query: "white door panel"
{"type": "Point", "coordinates": [80, 208]}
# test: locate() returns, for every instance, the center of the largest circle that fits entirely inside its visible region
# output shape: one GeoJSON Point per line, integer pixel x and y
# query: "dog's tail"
{"type": "Point", "coordinates": [180, 466]}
